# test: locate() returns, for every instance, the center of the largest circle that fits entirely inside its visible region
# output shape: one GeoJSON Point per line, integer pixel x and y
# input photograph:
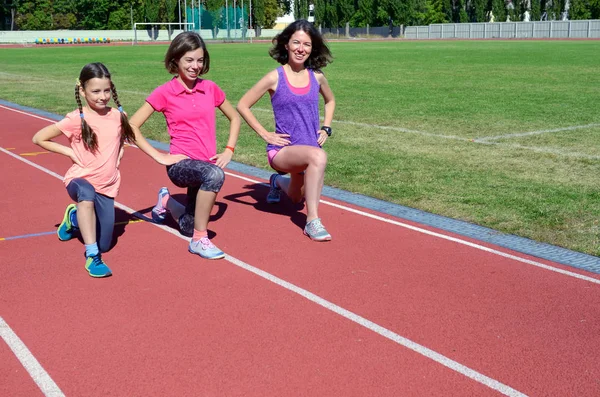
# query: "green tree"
{"type": "Point", "coordinates": [265, 13]}
{"type": "Point", "coordinates": [478, 11]}
{"type": "Point", "coordinates": [367, 11]}
{"type": "Point", "coordinates": [460, 13]}
{"type": "Point", "coordinates": [536, 11]}
{"type": "Point", "coordinates": [170, 7]}
{"type": "Point", "coordinates": [345, 10]}
{"type": "Point", "coordinates": [319, 12]}
{"type": "Point", "coordinates": [595, 9]}
{"type": "Point", "coordinates": [499, 10]}
{"type": "Point", "coordinates": [35, 15]}
{"type": "Point", "coordinates": [300, 9]}
{"type": "Point", "coordinates": [579, 9]}
{"type": "Point", "coordinates": [215, 10]}
{"type": "Point", "coordinates": [433, 13]}
{"type": "Point", "coordinates": [119, 20]}
{"type": "Point", "coordinates": [331, 17]}
{"type": "Point", "coordinates": [93, 14]}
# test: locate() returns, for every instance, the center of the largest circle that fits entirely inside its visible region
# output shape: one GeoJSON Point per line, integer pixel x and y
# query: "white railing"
{"type": "Point", "coordinates": [587, 29]}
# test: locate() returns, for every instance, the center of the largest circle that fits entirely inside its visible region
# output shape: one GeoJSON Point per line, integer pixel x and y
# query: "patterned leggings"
{"type": "Point", "coordinates": [194, 175]}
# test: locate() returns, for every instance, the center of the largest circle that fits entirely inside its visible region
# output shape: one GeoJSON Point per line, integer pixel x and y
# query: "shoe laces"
{"type": "Point", "coordinates": [206, 243]}
{"type": "Point", "coordinates": [315, 226]}
{"type": "Point", "coordinates": [97, 260]}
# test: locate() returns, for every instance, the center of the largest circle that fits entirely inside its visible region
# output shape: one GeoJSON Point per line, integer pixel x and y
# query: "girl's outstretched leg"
{"type": "Point", "coordinates": [165, 204]}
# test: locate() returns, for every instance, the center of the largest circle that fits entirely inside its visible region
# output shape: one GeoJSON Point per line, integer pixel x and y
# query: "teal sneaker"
{"type": "Point", "coordinates": [316, 231]}
{"type": "Point", "coordinates": [96, 266]}
{"type": "Point", "coordinates": [206, 249]}
{"type": "Point", "coordinates": [274, 195]}
{"type": "Point", "coordinates": [65, 229]}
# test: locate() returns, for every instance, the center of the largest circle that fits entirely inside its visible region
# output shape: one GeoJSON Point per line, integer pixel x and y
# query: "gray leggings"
{"type": "Point", "coordinates": [194, 175]}
{"type": "Point", "coordinates": [81, 190]}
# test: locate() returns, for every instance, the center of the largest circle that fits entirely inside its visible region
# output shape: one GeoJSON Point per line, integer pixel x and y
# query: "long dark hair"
{"type": "Point", "coordinates": [182, 43]}
{"type": "Point", "coordinates": [90, 140]}
{"type": "Point", "coordinates": [320, 55]}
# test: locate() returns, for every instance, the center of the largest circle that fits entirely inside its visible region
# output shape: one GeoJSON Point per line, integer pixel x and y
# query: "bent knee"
{"type": "Point", "coordinates": [318, 158]}
{"type": "Point", "coordinates": [214, 181]}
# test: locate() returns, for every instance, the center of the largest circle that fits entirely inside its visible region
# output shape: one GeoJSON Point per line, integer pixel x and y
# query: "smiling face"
{"type": "Point", "coordinates": [190, 65]}
{"type": "Point", "coordinates": [97, 93]}
{"type": "Point", "coordinates": [299, 47]}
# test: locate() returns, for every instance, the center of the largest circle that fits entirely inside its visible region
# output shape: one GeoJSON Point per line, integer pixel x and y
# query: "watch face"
{"type": "Point", "coordinates": [327, 130]}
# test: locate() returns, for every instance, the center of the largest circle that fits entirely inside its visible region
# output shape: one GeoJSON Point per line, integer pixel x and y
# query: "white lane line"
{"type": "Point", "coordinates": [27, 114]}
{"type": "Point", "coordinates": [538, 132]}
{"type": "Point", "coordinates": [387, 220]}
{"type": "Point", "coordinates": [420, 349]}
{"type": "Point", "coordinates": [29, 362]}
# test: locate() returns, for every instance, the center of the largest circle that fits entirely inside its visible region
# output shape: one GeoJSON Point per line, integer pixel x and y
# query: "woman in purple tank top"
{"type": "Point", "coordinates": [295, 147]}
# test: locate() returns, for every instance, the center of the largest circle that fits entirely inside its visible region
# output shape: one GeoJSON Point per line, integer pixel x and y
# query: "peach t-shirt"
{"type": "Point", "coordinates": [100, 168]}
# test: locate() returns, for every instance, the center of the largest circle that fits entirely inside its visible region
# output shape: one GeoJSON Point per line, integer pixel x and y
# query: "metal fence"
{"type": "Point", "coordinates": [588, 29]}
{"type": "Point", "coordinates": [368, 31]}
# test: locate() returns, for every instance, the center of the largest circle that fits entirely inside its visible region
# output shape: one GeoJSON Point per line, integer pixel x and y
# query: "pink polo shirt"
{"type": "Point", "coordinates": [190, 116]}
{"type": "Point", "coordinates": [100, 168]}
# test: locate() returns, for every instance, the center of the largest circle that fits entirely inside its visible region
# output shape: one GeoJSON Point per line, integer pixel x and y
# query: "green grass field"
{"type": "Point", "coordinates": [505, 134]}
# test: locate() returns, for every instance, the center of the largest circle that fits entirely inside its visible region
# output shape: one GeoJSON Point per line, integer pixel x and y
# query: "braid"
{"type": "Point", "coordinates": [126, 130]}
{"type": "Point", "coordinates": [90, 141]}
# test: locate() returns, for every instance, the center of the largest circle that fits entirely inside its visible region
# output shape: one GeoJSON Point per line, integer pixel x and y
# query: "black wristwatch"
{"type": "Point", "coordinates": [327, 130]}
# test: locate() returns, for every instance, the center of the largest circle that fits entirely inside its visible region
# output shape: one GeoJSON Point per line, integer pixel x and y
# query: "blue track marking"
{"type": "Point", "coordinates": [520, 244]}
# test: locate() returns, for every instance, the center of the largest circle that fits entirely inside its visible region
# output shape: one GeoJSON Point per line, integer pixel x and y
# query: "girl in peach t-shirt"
{"type": "Point", "coordinates": [96, 135]}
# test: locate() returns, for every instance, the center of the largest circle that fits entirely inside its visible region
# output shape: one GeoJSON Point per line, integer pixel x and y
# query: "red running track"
{"type": "Point", "coordinates": [382, 310]}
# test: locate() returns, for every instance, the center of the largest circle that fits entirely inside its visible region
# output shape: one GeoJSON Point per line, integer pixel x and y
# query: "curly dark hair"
{"type": "Point", "coordinates": [320, 55]}
{"type": "Point", "coordinates": [185, 42]}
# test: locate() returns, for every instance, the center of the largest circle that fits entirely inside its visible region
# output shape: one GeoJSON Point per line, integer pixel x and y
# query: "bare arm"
{"type": "Point", "coordinates": [224, 158]}
{"type": "Point", "coordinates": [267, 83]}
{"type": "Point", "coordinates": [329, 99]}
{"type": "Point", "coordinates": [43, 138]}
{"type": "Point", "coordinates": [136, 122]}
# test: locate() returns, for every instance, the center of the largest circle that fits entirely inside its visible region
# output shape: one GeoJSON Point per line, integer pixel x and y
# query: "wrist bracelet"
{"type": "Point", "coordinates": [230, 148]}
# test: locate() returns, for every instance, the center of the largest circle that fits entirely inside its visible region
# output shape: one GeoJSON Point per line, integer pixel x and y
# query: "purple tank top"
{"type": "Point", "coordinates": [296, 115]}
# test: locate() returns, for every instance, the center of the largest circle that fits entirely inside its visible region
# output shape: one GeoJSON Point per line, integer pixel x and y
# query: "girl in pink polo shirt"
{"type": "Point", "coordinates": [96, 134]}
{"type": "Point", "coordinates": [188, 103]}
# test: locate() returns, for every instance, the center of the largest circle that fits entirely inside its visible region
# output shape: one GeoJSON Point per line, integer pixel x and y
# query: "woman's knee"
{"type": "Point", "coordinates": [318, 158]}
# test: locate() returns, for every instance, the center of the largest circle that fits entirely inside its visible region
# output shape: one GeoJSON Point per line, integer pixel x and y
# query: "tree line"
{"type": "Point", "coordinates": [120, 14]}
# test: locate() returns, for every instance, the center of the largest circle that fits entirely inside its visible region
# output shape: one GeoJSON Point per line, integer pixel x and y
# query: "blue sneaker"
{"type": "Point", "coordinates": [274, 195]}
{"type": "Point", "coordinates": [65, 229]}
{"type": "Point", "coordinates": [159, 213]}
{"type": "Point", "coordinates": [96, 266]}
{"type": "Point", "coordinates": [316, 231]}
{"type": "Point", "coordinates": [206, 249]}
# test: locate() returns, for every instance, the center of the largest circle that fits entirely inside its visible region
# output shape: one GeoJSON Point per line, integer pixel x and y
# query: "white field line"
{"type": "Point", "coordinates": [482, 140]}
{"type": "Point", "coordinates": [365, 214]}
{"type": "Point", "coordinates": [538, 132]}
{"type": "Point", "coordinates": [29, 362]}
{"type": "Point", "coordinates": [504, 389]}
{"type": "Point", "coordinates": [386, 333]}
